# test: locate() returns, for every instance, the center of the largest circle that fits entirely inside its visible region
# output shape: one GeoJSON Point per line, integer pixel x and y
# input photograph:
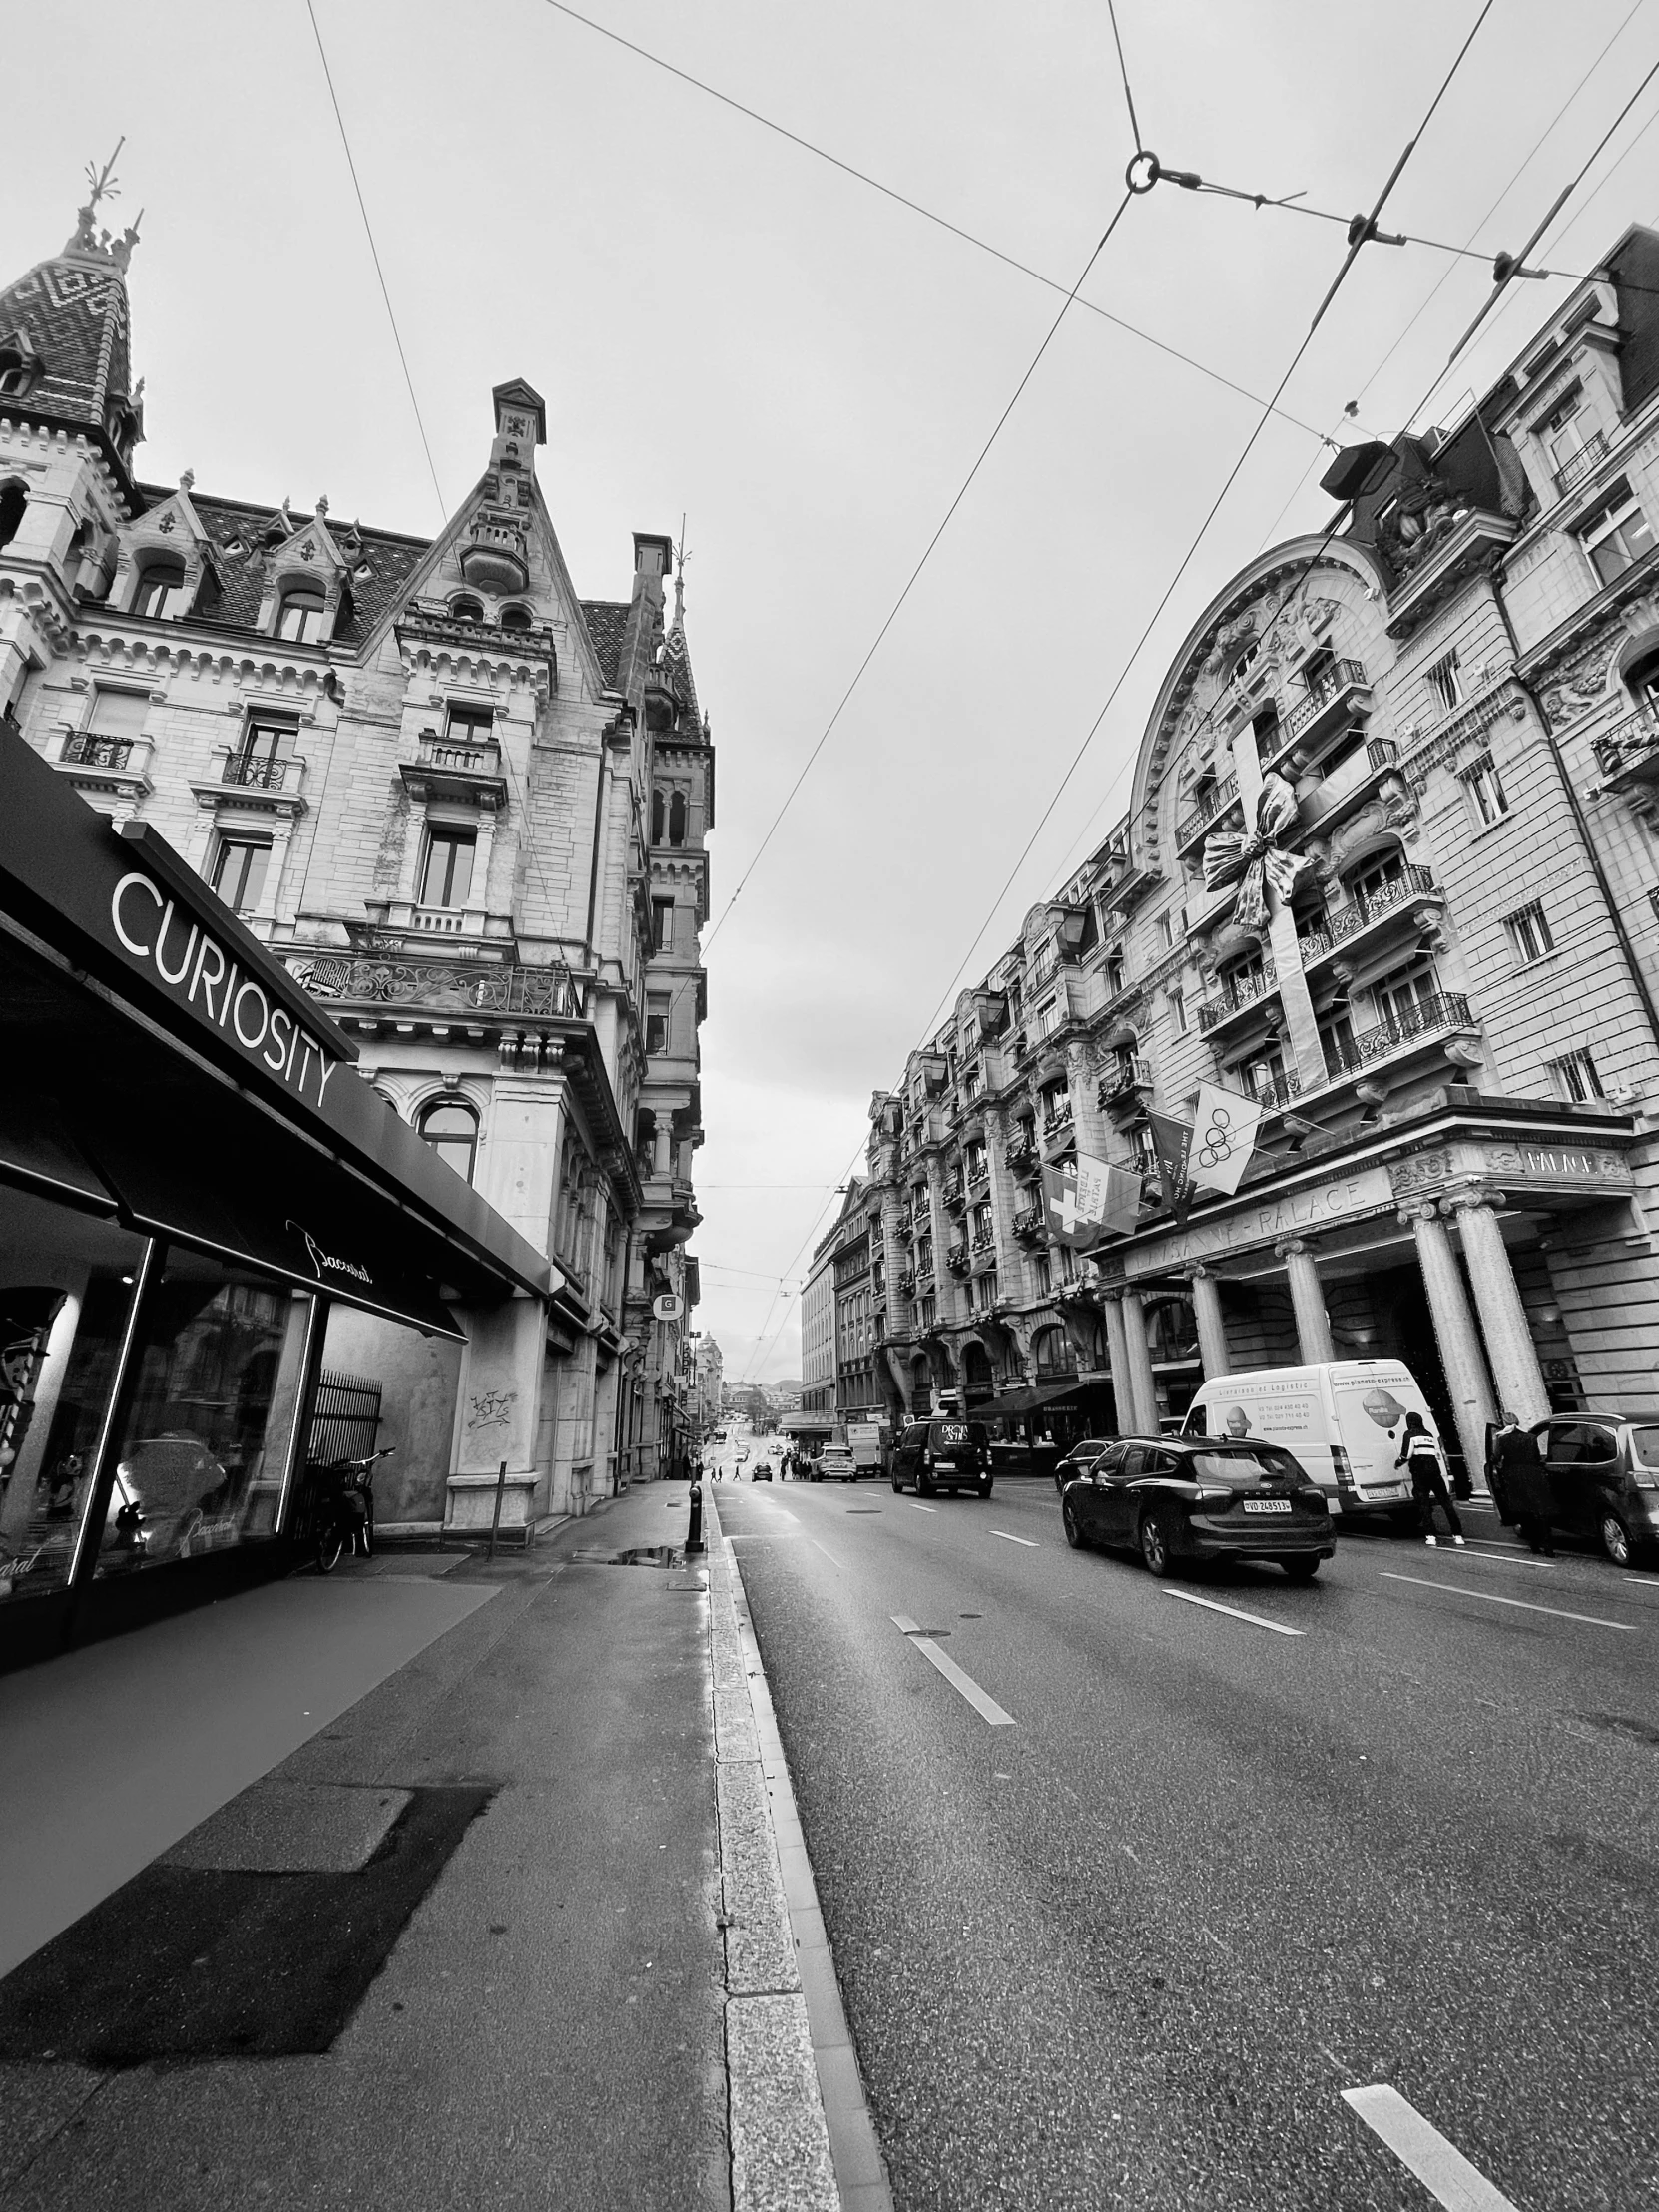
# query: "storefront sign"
{"type": "Point", "coordinates": [156, 935]}
{"type": "Point", "coordinates": [1323, 1206]}
{"type": "Point", "coordinates": [1576, 1166]}
{"type": "Point", "coordinates": [328, 1266]}
{"type": "Point", "coordinates": [666, 1308]}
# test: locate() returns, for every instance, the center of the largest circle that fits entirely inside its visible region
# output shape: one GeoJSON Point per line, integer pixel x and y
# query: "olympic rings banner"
{"type": "Point", "coordinates": [1224, 1137]}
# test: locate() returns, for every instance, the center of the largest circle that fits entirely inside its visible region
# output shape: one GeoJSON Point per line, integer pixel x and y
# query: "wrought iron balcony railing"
{"type": "Point", "coordinates": [1021, 1150]}
{"type": "Point", "coordinates": [1360, 911]}
{"type": "Point", "coordinates": [1446, 1010]}
{"type": "Point", "coordinates": [957, 1259]}
{"type": "Point", "coordinates": [1028, 1222]}
{"type": "Point", "coordinates": [87, 748]}
{"type": "Point", "coordinates": [1279, 1090]}
{"type": "Point", "coordinates": [461, 986]}
{"type": "Point", "coordinates": [978, 1174]}
{"type": "Point", "coordinates": [1339, 677]}
{"type": "Point", "coordinates": [1578, 466]}
{"type": "Point", "coordinates": [955, 1189]}
{"type": "Point", "coordinates": [1058, 1117]}
{"type": "Point", "coordinates": [1242, 991]}
{"type": "Point", "coordinates": [1213, 802]}
{"type": "Point", "coordinates": [263, 771]}
{"type": "Point", "coordinates": [1130, 1074]}
{"type": "Point", "coordinates": [984, 1240]}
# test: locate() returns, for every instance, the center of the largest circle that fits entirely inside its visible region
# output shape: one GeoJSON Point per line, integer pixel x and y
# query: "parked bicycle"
{"type": "Point", "coordinates": [339, 1508]}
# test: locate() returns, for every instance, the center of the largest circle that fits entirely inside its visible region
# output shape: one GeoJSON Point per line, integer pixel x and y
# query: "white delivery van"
{"type": "Point", "coordinates": [1345, 1421]}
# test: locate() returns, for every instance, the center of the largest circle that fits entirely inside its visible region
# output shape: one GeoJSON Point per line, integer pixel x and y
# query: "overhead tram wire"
{"type": "Point", "coordinates": [1123, 71]}
{"type": "Point", "coordinates": [929, 214]}
{"type": "Point", "coordinates": [374, 250]}
{"type": "Point", "coordinates": [1203, 529]}
{"type": "Point", "coordinates": [915, 573]}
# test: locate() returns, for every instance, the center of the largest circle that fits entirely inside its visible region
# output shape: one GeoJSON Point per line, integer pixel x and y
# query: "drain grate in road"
{"type": "Point", "coordinates": [196, 1961]}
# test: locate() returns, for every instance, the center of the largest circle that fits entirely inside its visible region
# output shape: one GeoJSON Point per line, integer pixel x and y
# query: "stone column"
{"type": "Point", "coordinates": [1143, 1389]}
{"type": "Point", "coordinates": [1313, 1324]}
{"type": "Point", "coordinates": [1117, 1355]}
{"type": "Point", "coordinates": [1515, 1369]}
{"type": "Point", "coordinates": [1454, 1333]}
{"type": "Point", "coordinates": [1212, 1330]}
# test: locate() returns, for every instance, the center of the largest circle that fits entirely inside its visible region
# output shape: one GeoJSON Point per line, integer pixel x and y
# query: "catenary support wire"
{"type": "Point", "coordinates": [374, 250]}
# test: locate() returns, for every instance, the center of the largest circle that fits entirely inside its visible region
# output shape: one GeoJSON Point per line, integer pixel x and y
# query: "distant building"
{"type": "Point", "coordinates": [708, 1380]}
{"type": "Point", "coordinates": [1439, 731]}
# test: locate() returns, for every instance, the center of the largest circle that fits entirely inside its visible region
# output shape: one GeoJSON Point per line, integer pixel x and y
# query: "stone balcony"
{"type": "Point", "coordinates": [1029, 1223]}
{"type": "Point", "coordinates": [116, 767]}
{"type": "Point", "coordinates": [1350, 784]}
{"type": "Point", "coordinates": [1628, 754]}
{"type": "Point", "coordinates": [1022, 1154]}
{"type": "Point", "coordinates": [455, 769]}
{"type": "Point", "coordinates": [1367, 917]}
{"type": "Point", "coordinates": [479, 989]}
{"type": "Point", "coordinates": [1209, 811]}
{"type": "Point", "coordinates": [957, 1259]}
{"type": "Point", "coordinates": [255, 783]}
{"type": "Point", "coordinates": [1341, 693]}
{"type": "Point", "coordinates": [1242, 996]}
{"type": "Point", "coordinates": [1125, 1086]}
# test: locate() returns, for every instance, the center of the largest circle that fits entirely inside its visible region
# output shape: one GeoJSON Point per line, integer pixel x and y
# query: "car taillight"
{"type": "Point", "coordinates": [927, 1458]}
{"type": "Point", "coordinates": [1314, 1497]}
{"type": "Point", "coordinates": [1210, 1499]}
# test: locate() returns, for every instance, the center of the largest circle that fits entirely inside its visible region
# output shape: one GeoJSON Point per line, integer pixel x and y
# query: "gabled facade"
{"type": "Point", "coordinates": [1433, 742]}
{"type": "Point", "coordinates": [428, 775]}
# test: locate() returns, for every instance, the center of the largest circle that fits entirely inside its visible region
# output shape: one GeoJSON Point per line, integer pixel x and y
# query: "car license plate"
{"type": "Point", "coordinates": [945, 1466]}
{"type": "Point", "coordinates": [1266, 1504]}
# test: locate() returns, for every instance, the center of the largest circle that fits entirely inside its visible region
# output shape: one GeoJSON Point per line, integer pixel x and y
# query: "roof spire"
{"type": "Point", "coordinates": [680, 557]}
{"type": "Point", "coordinates": [101, 185]}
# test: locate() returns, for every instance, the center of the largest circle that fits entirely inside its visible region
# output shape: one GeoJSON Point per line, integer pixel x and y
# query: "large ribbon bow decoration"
{"type": "Point", "coordinates": [1259, 864]}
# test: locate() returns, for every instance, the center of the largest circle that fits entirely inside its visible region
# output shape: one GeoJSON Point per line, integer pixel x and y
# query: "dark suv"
{"type": "Point", "coordinates": [1603, 1480]}
{"type": "Point", "coordinates": [943, 1454]}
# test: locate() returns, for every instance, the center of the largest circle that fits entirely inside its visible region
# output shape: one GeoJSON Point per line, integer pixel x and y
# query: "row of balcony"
{"type": "Point", "coordinates": [1233, 998]}
{"type": "Point", "coordinates": [1214, 802]}
{"type": "Point", "coordinates": [1344, 923]}
{"type": "Point", "coordinates": [1445, 1010]}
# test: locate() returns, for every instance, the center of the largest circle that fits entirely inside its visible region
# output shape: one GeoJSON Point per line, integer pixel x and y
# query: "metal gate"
{"type": "Point", "coordinates": [346, 1418]}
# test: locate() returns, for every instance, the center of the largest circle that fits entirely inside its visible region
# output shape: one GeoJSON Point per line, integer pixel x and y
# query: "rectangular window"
{"type": "Point", "coordinates": [984, 1289]}
{"type": "Point", "coordinates": [1048, 1017]}
{"type": "Point", "coordinates": [1044, 1274]}
{"type": "Point", "coordinates": [1146, 1150]}
{"type": "Point", "coordinates": [240, 868]}
{"type": "Point", "coordinates": [1114, 973]}
{"type": "Point", "coordinates": [1486, 791]}
{"type": "Point", "coordinates": [1616, 537]}
{"type": "Point", "coordinates": [447, 877]}
{"type": "Point", "coordinates": [1445, 683]}
{"type": "Point", "coordinates": [1576, 1078]}
{"type": "Point", "coordinates": [119, 714]}
{"type": "Point", "coordinates": [1177, 1011]}
{"type": "Point", "coordinates": [662, 924]}
{"type": "Point", "coordinates": [1529, 933]}
{"type": "Point", "coordinates": [1166, 930]}
{"type": "Point", "coordinates": [470, 725]}
{"type": "Point", "coordinates": [656, 1025]}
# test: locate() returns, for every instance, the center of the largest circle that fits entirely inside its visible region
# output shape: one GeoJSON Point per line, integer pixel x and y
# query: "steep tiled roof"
{"type": "Point", "coordinates": [384, 562]}
{"type": "Point", "coordinates": [607, 622]}
{"type": "Point", "coordinates": [677, 661]}
{"type": "Point", "coordinates": [73, 311]}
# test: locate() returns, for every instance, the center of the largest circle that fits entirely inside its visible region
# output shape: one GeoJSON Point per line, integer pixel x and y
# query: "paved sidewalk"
{"type": "Point", "coordinates": [469, 1914]}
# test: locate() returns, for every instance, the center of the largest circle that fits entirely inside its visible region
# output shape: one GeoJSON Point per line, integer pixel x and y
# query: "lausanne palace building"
{"type": "Point", "coordinates": [464, 806]}
{"type": "Point", "coordinates": [1450, 1008]}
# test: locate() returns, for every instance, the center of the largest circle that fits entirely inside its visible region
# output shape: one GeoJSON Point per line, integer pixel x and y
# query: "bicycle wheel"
{"type": "Point", "coordinates": [330, 1544]}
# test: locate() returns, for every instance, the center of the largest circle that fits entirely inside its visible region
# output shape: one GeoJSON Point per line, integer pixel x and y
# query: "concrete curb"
{"type": "Point", "coordinates": [802, 2133]}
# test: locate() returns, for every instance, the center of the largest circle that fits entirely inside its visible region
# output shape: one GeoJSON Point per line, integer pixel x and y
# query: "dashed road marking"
{"type": "Point", "coordinates": [829, 1555]}
{"type": "Point", "coordinates": [916, 1508]}
{"type": "Point", "coordinates": [1520, 1604]}
{"type": "Point", "coordinates": [1025, 1540]}
{"type": "Point", "coordinates": [983, 1704]}
{"type": "Point", "coordinates": [1190, 1597]}
{"type": "Point", "coordinates": [1423, 2150]}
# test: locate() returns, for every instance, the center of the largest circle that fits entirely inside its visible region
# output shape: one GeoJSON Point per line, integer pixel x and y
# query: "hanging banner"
{"type": "Point", "coordinates": [1173, 1142]}
{"type": "Point", "coordinates": [1222, 1138]}
{"type": "Point", "coordinates": [1087, 1199]}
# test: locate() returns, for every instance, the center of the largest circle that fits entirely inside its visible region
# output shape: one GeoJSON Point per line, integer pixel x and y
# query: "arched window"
{"type": "Point", "coordinates": [13, 500]}
{"type": "Point", "coordinates": [466, 610]}
{"type": "Point", "coordinates": [299, 617]}
{"type": "Point", "coordinates": [450, 1127]}
{"type": "Point", "coordinates": [677, 819]}
{"type": "Point", "coordinates": [655, 818]}
{"type": "Point", "coordinates": [161, 591]}
{"type": "Point", "coordinates": [1641, 678]}
{"type": "Point", "coordinates": [515, 618]}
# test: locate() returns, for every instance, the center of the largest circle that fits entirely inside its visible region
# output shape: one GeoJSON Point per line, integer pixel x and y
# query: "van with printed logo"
{"type": "Point", "coordinates": [1343, 1419]}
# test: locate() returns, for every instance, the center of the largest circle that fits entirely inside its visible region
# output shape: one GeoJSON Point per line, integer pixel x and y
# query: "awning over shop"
{"type": "Point", "coordinates": [1012, 1404]}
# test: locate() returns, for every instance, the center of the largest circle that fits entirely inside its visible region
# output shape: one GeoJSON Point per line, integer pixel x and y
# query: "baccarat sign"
{"type": "Point", "coordinates": [212, 984]}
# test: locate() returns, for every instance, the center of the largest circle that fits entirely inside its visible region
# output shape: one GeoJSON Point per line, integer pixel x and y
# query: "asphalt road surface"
{"type": "Point", "coordinates": [1120, 1913]}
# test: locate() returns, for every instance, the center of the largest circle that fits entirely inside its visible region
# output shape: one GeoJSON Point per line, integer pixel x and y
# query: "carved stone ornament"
{"type": "Point", "coordinates": [1580, 688]}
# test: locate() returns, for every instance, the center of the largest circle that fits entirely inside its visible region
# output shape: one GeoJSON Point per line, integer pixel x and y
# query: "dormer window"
{"type": "Point", "coordinates": [300, 617]}
{"type": "Point", "coordinates": [515, 618]}
{"type": "Point", "coordinates": [1617, 536]}
{"type": "Point", "coordinates": [161, 592]}
{"type": "Point", "coordinates": [466, 610]}
{"type": "Point", "coordinates": [14, 374]}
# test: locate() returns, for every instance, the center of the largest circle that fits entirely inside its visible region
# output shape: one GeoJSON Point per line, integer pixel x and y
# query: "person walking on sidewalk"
{"type": "Point", "coordinates": [1419, 1455]}
{"type": "Point", "coordinates": [1525, 1481]}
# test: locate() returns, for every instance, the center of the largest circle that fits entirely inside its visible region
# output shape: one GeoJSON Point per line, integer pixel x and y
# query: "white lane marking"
{"type": "Point", "coordinates": [1485, 1597]}
{"type": "Point", "coordinates": [1495, 1557]}
{"type": "Point", "coordinates": [1007, 1539]}
{"type": "Point", "coordinates": [829, 1555]}
{"type": "Point", "coordinates": [986, 1707]}
{"type": "Point", "coordinates": [1189, 1597]}
{"type": "Point", "coordinates": [1423, 2150]}
{"type": "Point", "coordinates": [916, 1508]}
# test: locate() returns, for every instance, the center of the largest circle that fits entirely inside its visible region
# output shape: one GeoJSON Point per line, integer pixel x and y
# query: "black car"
{"type": "Point", "coordinates": [1174, 1499]}
{"type": "Point", "coordinates": [1603, 1472]}
{"type": "Point", "coordinates": [1081, 1459]}
{"type": "Point", "coordinates": [943, 1454]}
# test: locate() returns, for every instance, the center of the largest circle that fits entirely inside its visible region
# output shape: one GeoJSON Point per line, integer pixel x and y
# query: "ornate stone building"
{"type": "Point", "coordinates": [465, 806]}
{"type": "Point", "coordinates": [1438, 734]}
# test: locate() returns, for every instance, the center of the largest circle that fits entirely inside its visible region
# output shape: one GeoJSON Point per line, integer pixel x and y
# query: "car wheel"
{"type": "Point", "coordinates": [1059, 1481]}
{"type": "Point", "coordinates": [984, 1486]}
{"type": "Point", "coordinates": [1155, 1545]}
{"type": "Point", "coordinates": [897, 1481]}
{"type": "Point", "coordinates": [1300, 1570]}
{"type": "Point", "coordinates": [1615, 1541]}
{"type": "Point", "coordinates": [926, 1486]}
{"type": "Point", "coordinates": [1068, 1521]}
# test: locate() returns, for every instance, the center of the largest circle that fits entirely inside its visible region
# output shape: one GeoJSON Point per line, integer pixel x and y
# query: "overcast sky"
{"type": "Point", "coordinates": [726, 326]}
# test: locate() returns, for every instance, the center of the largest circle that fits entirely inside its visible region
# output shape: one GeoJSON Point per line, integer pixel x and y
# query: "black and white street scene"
{"type": "Point", "coordinates": [764, 769]}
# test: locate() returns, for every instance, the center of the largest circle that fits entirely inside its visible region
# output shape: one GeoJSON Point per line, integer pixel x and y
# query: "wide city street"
{"type": "Point", "coordinates": [1126, 1897]}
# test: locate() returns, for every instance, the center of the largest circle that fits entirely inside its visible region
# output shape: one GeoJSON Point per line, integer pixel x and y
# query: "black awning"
{"type": "Point", "coordinates": [1013, 1403]}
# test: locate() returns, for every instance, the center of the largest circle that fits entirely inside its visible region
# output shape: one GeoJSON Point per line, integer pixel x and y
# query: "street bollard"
{"type": "Point", "coordinates": [500, 1493]}
{"type": "Point", "coordinates": [694, 1534]}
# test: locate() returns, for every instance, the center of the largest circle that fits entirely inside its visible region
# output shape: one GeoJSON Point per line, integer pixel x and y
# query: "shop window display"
{"type": "Point", "coordinates": [203, 1453]}
{"type": "Point", "coordinates": [66, 1282]}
